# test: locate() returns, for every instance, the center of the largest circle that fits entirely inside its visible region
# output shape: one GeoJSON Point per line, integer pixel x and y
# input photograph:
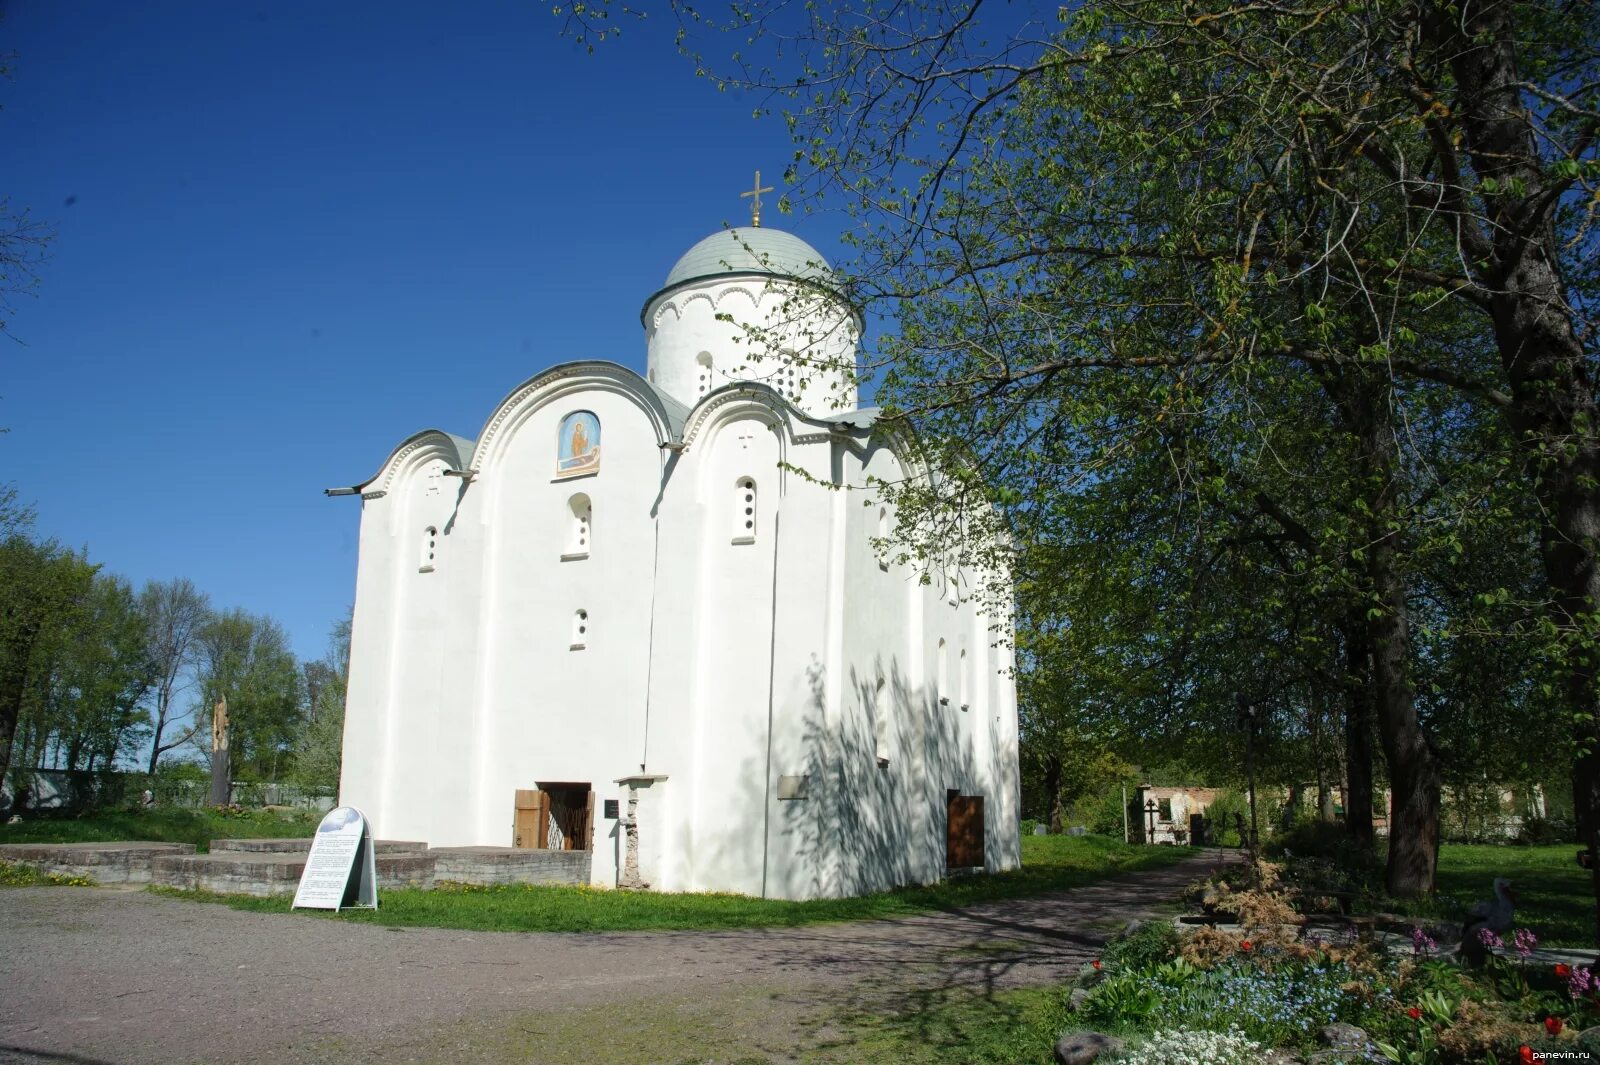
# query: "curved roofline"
{"type": "Point", "coordinates": [410, 443]}
{"type": "Point", "coordinates": [670, 414]}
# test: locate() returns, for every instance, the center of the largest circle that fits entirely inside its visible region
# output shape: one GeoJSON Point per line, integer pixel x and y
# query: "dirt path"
{"type": "Point", "coordinates": [96, 975]}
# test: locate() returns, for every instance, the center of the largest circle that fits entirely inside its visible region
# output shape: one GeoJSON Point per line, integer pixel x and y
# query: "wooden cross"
{"type": "Point", "coordinates": [755, 201]}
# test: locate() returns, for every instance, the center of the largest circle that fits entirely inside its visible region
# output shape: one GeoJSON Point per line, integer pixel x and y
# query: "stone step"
{"type": "Point", "coordinates": [302, 846]}
{"type": "Point", "coordinates": [510, 865]}
{"type": "Point", "coordinates": [119, 862]}
{"type": "Point", "coordinates": [236, 873]}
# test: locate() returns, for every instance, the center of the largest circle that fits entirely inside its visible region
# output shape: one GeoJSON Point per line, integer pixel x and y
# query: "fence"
{"type": "Point", "coordinates": [73, 791]}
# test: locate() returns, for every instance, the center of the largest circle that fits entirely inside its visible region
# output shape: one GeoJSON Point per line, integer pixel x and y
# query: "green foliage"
{"type": "Point", "coordinates": [1266, 332]}
{"type": "Point", "coordinates": [245, 659]}
{"type": "Point", "coordinates": [1226, 812]}
{"type": "Point", "coordinates": [1151, 943]}
{"type": "Point", "coordinates": [1318, 839]}
{"type": "Point", "coordinates": [1285, 1004]}
{"type": "Point", "coordinates": [320, 749]}
{"type": "Point", "coordinates": [1542, 831]}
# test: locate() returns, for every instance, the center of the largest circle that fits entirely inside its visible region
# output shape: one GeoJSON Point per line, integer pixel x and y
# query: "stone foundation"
{"type": "Point", "coordinates": [508, 865]}
{"type": "Point", "coordinates": [273, 866]}
{"type": "Point", "coordinates": [126, 862]}
{"type": "Point", "coordinates": [233, 873]}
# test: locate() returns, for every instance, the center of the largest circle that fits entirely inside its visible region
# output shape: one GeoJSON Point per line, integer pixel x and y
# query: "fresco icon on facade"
{"type": "Point", "coordinates": [578, 444]}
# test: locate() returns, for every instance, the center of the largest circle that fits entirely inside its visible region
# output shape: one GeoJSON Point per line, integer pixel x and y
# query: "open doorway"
{"type": "Point", "coordinates": [557, 815]}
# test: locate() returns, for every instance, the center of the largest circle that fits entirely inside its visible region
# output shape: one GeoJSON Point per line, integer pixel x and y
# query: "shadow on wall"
{"type": "Point", "coordinates": [863, 825]}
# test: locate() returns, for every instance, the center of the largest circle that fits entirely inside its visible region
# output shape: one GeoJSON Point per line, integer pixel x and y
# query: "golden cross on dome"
{"type": "Point", "coordinates": [755, 201]}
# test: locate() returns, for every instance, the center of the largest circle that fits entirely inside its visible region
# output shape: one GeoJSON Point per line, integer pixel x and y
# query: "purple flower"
{"type": "Point", "coordinates": [1488, 938]}
{"type": "Point", "coordinates": [1421, 942]}
{"type": "Point", "coordinates": [1525, 941]}
{"type": "Point", "coordinates": [1581, 980]}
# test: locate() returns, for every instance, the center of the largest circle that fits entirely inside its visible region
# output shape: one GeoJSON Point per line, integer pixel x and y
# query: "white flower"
{"type": "Point", "coordinates": [1179, 1047]}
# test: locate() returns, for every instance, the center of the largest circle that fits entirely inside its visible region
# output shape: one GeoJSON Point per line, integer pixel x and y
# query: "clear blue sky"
{"type": "Point", "coordinates": [288, 235]}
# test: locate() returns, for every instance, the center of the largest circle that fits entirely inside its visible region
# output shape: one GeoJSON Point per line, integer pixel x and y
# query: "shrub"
{"type": "Point", "coordinates": [1102, 812]}
{"type": "Point", "coordinates": [1320, 839]}
{"type": "Point", "coordinates": [1149, 943]}
{"type": "Point", "coordinates": [1028, 826]}
{"type": "Point", "coordinates": [1223, 816]}
{"type": "Point", "coordinates": [1542, 830]}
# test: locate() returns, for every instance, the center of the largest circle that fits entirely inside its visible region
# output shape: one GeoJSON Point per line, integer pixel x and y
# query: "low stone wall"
{"type": "Point", "coordinates": [273, 866]}
{"type": "Point", "coordinates": [302, 846]}
{"type": "Point", "coordinates": [127, 862]}
{"type": "Point", "coordinates": [508, 865]}
{"type": "Point", "coordinates": [276, 874]}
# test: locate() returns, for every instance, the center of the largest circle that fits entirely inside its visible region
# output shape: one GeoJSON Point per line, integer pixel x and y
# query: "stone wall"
{"type": "Point", "coordinates": [504, 865]}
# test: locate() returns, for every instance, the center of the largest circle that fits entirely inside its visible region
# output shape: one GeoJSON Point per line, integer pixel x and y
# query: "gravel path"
{"type": "Point", "coordinates": [103, 975]}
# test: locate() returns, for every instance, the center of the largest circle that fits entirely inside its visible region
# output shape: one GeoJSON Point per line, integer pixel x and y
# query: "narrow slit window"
{"type": "Point", "coordinates": [942, 674]}
{"type": "Point", "coordinates": [430, 543]}
{"type": "Point", "coordinates": [703, 367]}
{"type": "Point", "coordinates": [880, 724]}
{"type": "Point", "coordinates": [580, 630]}
{"type": "Point", "coordinates": [744, 511]}
{"type": "Point", "coordinates": [580, 527]}
{"type": "Point", "coordinates": [964, 679]}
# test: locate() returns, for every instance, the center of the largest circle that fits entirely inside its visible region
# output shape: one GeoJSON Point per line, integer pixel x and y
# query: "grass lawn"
{"type": "Point", "coordinates": [1050, 863]}
{"type": "Point", "coordinates": [1555, 897]}
{"type": "Point", "coordinates": [199, 827]}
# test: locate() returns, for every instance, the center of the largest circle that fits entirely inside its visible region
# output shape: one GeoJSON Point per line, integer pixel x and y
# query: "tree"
{"type": "Point", "coordinates": [99, 675]}
{"type": "Point", "coordinates": [40, 586]}
{"type": "Point", "coordinates": [1380, 197]}
{"type": "Point", "coordinates": [245, 659]}
{"type": "Point", "coordinates": [175, 613]}
{"type": "Point", "coordinates": [320, 749]}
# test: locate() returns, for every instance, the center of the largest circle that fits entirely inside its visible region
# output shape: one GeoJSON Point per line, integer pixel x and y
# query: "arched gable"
{"type": "Point", "coordinates": [559, 383]}
{"type": "Point", "coordinates": [414, 452]}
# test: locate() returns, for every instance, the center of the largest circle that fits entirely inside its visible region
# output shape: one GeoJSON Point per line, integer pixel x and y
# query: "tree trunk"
{"type": "Point", "coordinates": [1553, 410]}
{"type": "Point", "coordinates": [1358, 732]}
{"type": "Point", "coordinates": [1052, 789]}
{"type": "Point", "coordinates": [1413, 765]}
{"type": "Point", "coordinates": [1318, 703]}
{"type": "Point", "coordinates": [13, 686]}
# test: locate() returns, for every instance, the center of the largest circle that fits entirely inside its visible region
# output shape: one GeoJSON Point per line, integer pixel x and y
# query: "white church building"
{"type": "Point", "coordinates": [649, 618]}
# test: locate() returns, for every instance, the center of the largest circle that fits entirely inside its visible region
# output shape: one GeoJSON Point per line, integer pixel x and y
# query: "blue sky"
{"type": "Point", "coordinates": [289, 235]}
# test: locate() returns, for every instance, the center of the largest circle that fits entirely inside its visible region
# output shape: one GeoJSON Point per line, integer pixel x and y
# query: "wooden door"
{"type": "Point", "coordinates": [964, 845]}
{"type": "Point", "coordinates": [531, 823]}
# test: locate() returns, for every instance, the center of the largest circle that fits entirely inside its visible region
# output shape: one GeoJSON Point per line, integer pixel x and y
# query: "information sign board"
{"type": "Point", "coordinates": [341, 870]}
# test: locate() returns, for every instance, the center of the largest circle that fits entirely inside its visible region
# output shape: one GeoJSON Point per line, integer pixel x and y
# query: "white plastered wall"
{"type": "Point", "coordinates": [465, 687]}
{"type": "Point", "coordinates": [691, 352]}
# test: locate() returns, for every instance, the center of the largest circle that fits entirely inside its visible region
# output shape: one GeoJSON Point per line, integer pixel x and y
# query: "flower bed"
{"type": "Point", "coordinates": [1267, 982]}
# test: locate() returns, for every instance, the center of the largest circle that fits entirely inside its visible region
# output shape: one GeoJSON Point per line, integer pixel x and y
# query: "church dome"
{"type": "Point", "coordinates": [728, 312]}
{"type": "Point", "coordinates": [749, 250]}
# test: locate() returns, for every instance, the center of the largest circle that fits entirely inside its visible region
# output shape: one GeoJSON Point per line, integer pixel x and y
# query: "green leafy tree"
{"type": "Point", "coordinates": [1376, 197]}
{"type": "Point", "coordinates": [245, 659]}
{"type": "Point", "coordinates": [320, 748]}
{"type": "Point", "coordinates": [100, 673]}
{"type": "Point", "coordinates": [41, 586]}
